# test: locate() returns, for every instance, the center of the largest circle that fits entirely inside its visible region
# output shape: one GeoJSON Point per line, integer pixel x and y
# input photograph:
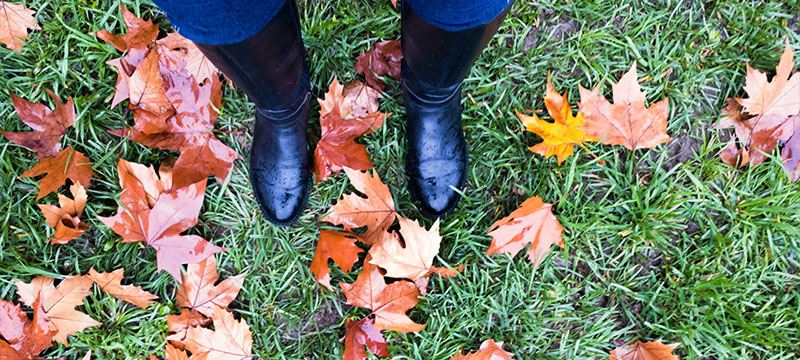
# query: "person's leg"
{"type": "Point", "coordinates": [260, 49]}
{"type": "Point", "coordinates": [440, 39]}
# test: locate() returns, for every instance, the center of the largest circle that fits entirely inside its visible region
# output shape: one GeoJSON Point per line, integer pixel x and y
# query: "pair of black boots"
{"type": "Point", "coordinates": [270, 67]}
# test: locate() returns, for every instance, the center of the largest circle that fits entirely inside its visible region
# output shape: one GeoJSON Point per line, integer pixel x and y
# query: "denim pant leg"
{"type": "Point", "coordinates": [217, 22]}
{"type": "Point", "coordinates": [456, 15]}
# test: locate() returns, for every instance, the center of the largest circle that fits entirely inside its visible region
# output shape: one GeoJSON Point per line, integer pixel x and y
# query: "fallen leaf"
{"type": "Point", "coordinates": [337, 246]}
{"type": "Point", "coordinates": [389, 303]}
{"type": "Point", "coordinates": [231, 339]}
{"type": "Point", "coordinates": [182, 55]}
{"type": "Point", "coordinates": [141, 33]}
{"type": "Point", "coordinates": [345, 117]}
{"type": "Point", "coordinates": [779, 97]}
{"type": "Point", "coordinates": [58, 303]}
{"type": "Point", "coordinates": [24, 339]}
{"type": "Point", "coordinates": [65, 218]}
{"type": "Point", "coordinates": [757, 136]}
{"type": "Point", "coordinates": [489, 350]}
{"type": "Point", "coordinates": [376, 211]}
{"type": "Point", "coordinates": [174, 212]}
{"type": "Point", "coordinates": [15, 20]}
{"type": "Point", "coordinates": [68, 164]}
{"type": "Point", "coordinates": [111, 283]}
{"type": "Point", "coordinates": [383, 59]}
{"type": "Point", "coordinates": [627, 121]}
{"type": "Point", "coordinates": [360, 334]}
{"type": "Point", "coordinates": [173, 353]}
{"type": "Point", "coordinates": [791, 151]}
{"type": "Point", "coordinates": [180, 324]}
{"type": "Point", "coordinates": [413, 258]}
{"type": "Point", "coordinates": [651, 350]}
{"type": "Point", "coordinates": [49, 126]}
{"type": "Point", "coordinates": [145, 91]}
{"type": "Point", "coordinates": [197, 291]}
{"type": "Point", "coordinates": [532, 223]}
{"type": "Point", "coordinates": [560, 136]}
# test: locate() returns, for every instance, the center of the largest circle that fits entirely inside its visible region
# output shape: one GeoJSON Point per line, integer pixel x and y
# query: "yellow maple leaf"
{"type": "Point", "coordinates": [560, 136]}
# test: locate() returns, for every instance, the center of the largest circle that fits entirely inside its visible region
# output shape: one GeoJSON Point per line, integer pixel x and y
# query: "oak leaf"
{"type": "Point", "coordinates": [49, 126]}
{"type": "Point", "coordinates": [58, 303]}
{"type": "Point", "coordinates": [67, 164]}
{"type": "Point", "coordinates": [560, 136]}
{"type": "Point", "coordinates": [413, 258]}
{"type": "Point", "coordinates": [389, 303]}
{"type": "Point", "coordinates": [651, 350]}
{"type": "Point", "coordinates": [627, 121]}
{"type": "Point", "coordinates": [65, 218]}
{"type": "Point", "coordinates": [337, 246]}
{"type": "Point", "coordinates": [347, 112]}
{"type": "Point", "coordinates": [376, 211]}
{"type": "Point", "coordinates": [360, 334]}
{"type": "Point", "coordinates": [15, 20]}
{"type": "Point", "coordinates": [197, 291]}
{"type": "Point", "coordinates": [111, 283]}
{"type": "Point", "coordinates": [174, 212]}
{"type": "Point", "coordinates": [532, 223]}
{"type": "Point", "coordinates": [779, 97]}
{"type": "Point", "coordinates": [489, 350]}
{"type": "Point", "coordinates": [24, 338]}
{"type": "Point", "coordinates": [383, 59]}
{"type": "Point", "coordinates": [230, 339]}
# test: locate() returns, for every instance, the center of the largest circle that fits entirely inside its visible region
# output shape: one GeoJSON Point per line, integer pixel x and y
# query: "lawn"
{"type": "Point", "coordinates": [668, 243]}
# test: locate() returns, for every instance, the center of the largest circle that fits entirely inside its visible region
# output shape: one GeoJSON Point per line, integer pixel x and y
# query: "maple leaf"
{"type": "Point", "coordinates": [376, 211]}
{"type": "Point", "coordinates": [65, 218]}
{"type": "Point", "coordinates": [757, 135]}
{"type": "Point", "coordinates": [58, 303]}
{"type": "Point", "coordinates": [411, 259]}
{"type": "Point", "coordinates": [67, 164]}
{"type": "Point", "coordinates": [489, 350]}
{"type": "Point", "coordinates": [389, 303]}
{"type": "Point", "coordinates": [182, 55]}
{"type": "Point", "coordinates": [779, 97]}
{"type": "Point", "coordinates": [533, 222]}
{"type": "Point", "coordinates": [338, 246]}
{"type": "Point", "coordinates": [383, 59]}
{"type": "Point", "coordinates": [24, 338]}
{"type": "Point", "coordinates": [173, 353]}
{"type": "Point", "coordinates": [145, 91]}
{"type": "Point", "coordinates": [141, 33]}
{"type": "Point", "coordinates": [15, 20]}
{"type": "Point", "coordinates": [174, 211]}
{"type": "Point", "coordinates": [111, 283]}
{"type": "Point", "coordinates": [651, 350]}
{"type": "Point", "coordinates": [190, 130]}
{"type": "Point", "coordinates": [360, 334]}
{"type": "Point", "coordinates": [560, 136]}
{"type": "Point", "coordinates": [179, 324]}
{"type": "Point", "coordinates": [197, 291]}
{"type": "Point", "coordinates": [791, 151]}
{"type": "Point", "coordinates": [231, 339]}
{"type": "Point", "coordinates": [49, 126]}
{"type": "Point", "coordinates": [347, 112]}
{"type": "Point", "coordinates": [627, 121]}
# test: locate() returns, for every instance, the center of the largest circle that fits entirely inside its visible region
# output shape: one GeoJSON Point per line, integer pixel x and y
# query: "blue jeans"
{"type": "Point", "coordinates": [217, 22]}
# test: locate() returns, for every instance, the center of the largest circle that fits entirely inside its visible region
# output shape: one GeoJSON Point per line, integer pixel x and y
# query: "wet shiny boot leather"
{"type": "Point", "coordinates": [435, 62]}
{"type": "Point", "coordinates": [270, 68]}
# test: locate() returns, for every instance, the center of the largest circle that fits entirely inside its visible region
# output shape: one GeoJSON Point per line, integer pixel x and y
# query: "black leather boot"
{"type": "Point", "coordinates": [435, 61]}
{"type": "Point", "coordinates": [270, 67]}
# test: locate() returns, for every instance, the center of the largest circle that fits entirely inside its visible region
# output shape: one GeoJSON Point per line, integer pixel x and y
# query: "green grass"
{"type": "Point", "coordinates": [668, 243]}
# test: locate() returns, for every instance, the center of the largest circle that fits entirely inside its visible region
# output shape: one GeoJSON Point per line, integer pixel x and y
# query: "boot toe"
{"type": "Point", "coordinates": [282, 203]}
{"type": "Point", "coordinates": [433, 187]}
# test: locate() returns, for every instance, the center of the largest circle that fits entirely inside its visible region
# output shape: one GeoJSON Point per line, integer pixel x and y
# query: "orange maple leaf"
{"type": "Point", "coordinates": [532, 223]}
{"type": "Point", "coordinates": [338, 246]}
{"type": "Point", "coordinates": [651, 350]}
{"type": "Point", "coordinates": [360, 334]}
{"type": "Point", "coordinates": [67, 164]}
{"type": "Point", "coordinates": [627, 121]}
{"type": "Point", "coordinates": [49, 126]}
{"type": "Point", "coordinates": [197, 291]}
{"type": "Point", "coordinates": [24, 339]}
{"type": "Point", "coordinates": [781, 96]}
{"type": "Point", "coordinates": [59, 303]}
{"type": "Point", "coordinates": [65, 218]}
{"type": "Point", "coordinates": [111, 284]}
{"type": "Point", "coordinates": [15, 20]}
{"type": "Point", "coordinates": [230, 339]}
{"type": "Point", "coordinates": [489, 350]}
{"type": "Point", "coordinates": [560, 136]}
{"type": "Point", "coordinates": [413, 258]}
{"type": "Point", "coordinates": [182, 55]}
